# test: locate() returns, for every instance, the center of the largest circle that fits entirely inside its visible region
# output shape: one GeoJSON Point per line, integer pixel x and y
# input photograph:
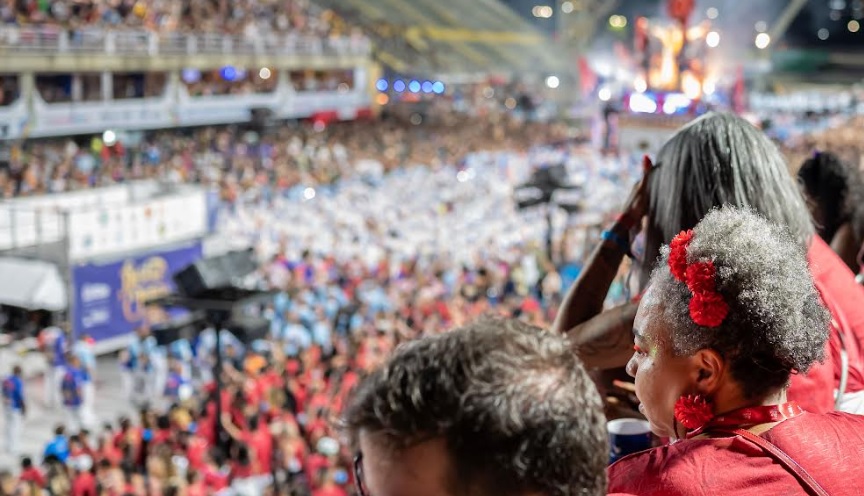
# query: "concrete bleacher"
{"type": "Point", "coordinates": [450, 36]}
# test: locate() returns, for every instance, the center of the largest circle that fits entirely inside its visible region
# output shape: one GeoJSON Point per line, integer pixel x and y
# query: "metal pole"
{"type": "Point", "coordinates": [70, 274]}
{"type": "Point", "coordinates": [550, 210]}
{"type": "Point", "coordinates": [218, 320]}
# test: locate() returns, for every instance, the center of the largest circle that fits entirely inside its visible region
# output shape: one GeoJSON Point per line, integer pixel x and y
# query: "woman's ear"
{"type": "Point", "coordinates": [708, 370]}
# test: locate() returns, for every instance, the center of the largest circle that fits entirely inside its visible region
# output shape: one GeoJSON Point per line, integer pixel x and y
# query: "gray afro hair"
{"type": "Point", "coordinates": [776, 324]}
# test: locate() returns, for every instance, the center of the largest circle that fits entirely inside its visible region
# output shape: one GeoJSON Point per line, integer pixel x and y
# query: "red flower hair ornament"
{"type": "Point", "coordinates": [707, 306]}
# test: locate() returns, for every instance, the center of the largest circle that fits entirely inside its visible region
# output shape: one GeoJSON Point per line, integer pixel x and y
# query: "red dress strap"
{"type": "Point", "coordinates": [807, 481]}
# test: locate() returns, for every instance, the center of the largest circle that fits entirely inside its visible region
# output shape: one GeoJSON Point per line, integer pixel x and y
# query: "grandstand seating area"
{"type": "Point", "coordinates": [449, 36]}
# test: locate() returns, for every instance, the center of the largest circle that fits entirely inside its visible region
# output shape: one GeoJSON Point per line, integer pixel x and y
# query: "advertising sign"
{"type": "Point", "coordinates": [109, 296]}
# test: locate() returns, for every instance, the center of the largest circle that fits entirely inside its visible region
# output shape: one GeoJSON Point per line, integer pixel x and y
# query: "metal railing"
{"type": "Point", "coordinates": [50, 40]}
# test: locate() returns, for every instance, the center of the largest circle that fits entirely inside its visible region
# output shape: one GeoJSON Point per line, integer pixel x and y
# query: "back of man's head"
{"type": "Point", "coordinates": [496, 407]}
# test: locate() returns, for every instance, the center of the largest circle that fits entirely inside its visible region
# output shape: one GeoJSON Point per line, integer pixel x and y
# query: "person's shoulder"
{"type": "Point", "coordinates": [669, 470]}
{"type": "Point", "coordinates": [841, 424]}
{"type": "Point", "coordinates": [826, 267]}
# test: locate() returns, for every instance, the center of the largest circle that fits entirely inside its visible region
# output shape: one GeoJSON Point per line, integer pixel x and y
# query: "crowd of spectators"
{"type": "Point", "coordinates": [841, 136]}
{"type": "Point", "coordinates": [372, 234]}
{"type": "Point", "coordinates": [250, 17]}
{"type": "Point", "coordinates": [237, 160]}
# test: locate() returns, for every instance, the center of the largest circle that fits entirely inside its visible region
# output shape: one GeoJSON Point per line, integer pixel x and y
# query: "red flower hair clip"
{"type": "Point", "coordinates": [707, 306]}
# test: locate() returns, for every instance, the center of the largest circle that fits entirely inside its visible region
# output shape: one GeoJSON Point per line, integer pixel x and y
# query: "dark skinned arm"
{"type": "Point", "coordinates": [604, 339]}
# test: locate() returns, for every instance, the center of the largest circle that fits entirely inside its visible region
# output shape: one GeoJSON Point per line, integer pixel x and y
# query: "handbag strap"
{"type": "Point", "coordinates": [807, 481]}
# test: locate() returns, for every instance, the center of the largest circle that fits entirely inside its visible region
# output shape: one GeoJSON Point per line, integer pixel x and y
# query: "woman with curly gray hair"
{"type": "Point", "coordinates": [717, 160]}
{"type": "Point", "coordinates": [730, 314]}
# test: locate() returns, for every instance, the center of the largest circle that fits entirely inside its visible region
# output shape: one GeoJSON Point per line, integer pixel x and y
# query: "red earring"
{"type": "Point", "coordinates": [693, 411]}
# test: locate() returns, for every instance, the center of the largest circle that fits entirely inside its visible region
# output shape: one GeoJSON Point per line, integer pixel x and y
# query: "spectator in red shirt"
{"type": "Point", "coordinates": [127, 436]}
{"type": "Point", "coordinates": [29, 473]}
{"type": "Point", "coordinates": [84, 482]}
{"type": "Point", "coordinates": [214, 479]}
{"type": "Point", "coordinates": [108, 452]}
{"type": "Point", "coordinates": [195, 449]}
{"type": "Point", "coordinates": [259, 440]}
{"type": "Point", "coordinates": [242, 465]}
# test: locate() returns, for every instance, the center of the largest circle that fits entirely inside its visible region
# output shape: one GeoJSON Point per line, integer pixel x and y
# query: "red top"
{"type": "Point", "coordinates": [829, 447]}
{"type": "Point", "coordinates": [315, 463]}
{"type": "Point", "coordinates": [196, 452]}
{"type": "Point", "coordinates": [33, 475]}
{"type": "Point", "coordinates": [845, 300]}
{"type": "Point", "coordinates": [261, 444]}
{"type": "Point", "coordinates": [330, 491]}
{"type": "Point", "coordinates": [214, 479]}
{"type": "Point", "coordinates": [239, 471]}
{"type": "Point", "coordinates": [84, 485]}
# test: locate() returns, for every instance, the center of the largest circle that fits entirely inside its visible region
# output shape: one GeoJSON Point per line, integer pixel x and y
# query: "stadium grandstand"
{"type": "Point", "coordinates": [449, 37]}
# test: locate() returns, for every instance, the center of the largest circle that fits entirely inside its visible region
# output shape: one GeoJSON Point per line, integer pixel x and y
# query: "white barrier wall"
{"type": "Point", "coordinates": [157, 222]}
{"type": "Point", "coordinates": [105, 221]}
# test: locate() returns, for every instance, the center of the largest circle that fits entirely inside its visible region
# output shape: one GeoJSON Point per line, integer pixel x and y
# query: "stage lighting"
{"type": "Point", "coordinates": [381, 85]}
{"type": "Point", "coordinates": [762, 41]}
{"type": "Point", "coordinates": [228, 73]}
{"type": "Point", "coordinates": [641, 103]}
{"type": "Point", "coordinates": [264, 73]}
{"type": "Point", "coordinates": [605, 94]}
{"type": "Point", "coordinates": [414, 86]}
{"type": "Point", "coordinates": [712, 39]}
{"type": "Point", "coordinates": [823, 34]}
{"type": "Point", "coordinates": [542, 11]}
{"type": "Point", "coordinates": [691, 86]}
{"type": "Point", "coordinates": [675, 102]}
{"type": "Point", "coordinates": [109, 138]}
{"type": "Point", "coordinates": [640, 85]}
{"type": "Point", "coordinates": [853, 26]}
{"type": "Point", "coordinates": [427, 86]}
{"type": "Point", "coordinates": [190, 76]}
{"type": "Point", "coordinates": [553, 82]}
{"type": "Point", "coordinates": [618, 22]}
{"type": "Point", "coordinates": [438, 87]}
{"type": "Point", "coordinates": [399, 86]}
{"type": "Point", "coordinates": [712, 13]}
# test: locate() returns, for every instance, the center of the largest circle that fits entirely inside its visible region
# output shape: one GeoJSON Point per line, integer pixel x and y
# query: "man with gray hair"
{"type": "Point", "coordinates": [494, 408]}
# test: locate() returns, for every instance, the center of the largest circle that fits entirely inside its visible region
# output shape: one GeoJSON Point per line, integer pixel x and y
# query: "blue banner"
{"type": "Point", "coordinates": [109, 296]}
